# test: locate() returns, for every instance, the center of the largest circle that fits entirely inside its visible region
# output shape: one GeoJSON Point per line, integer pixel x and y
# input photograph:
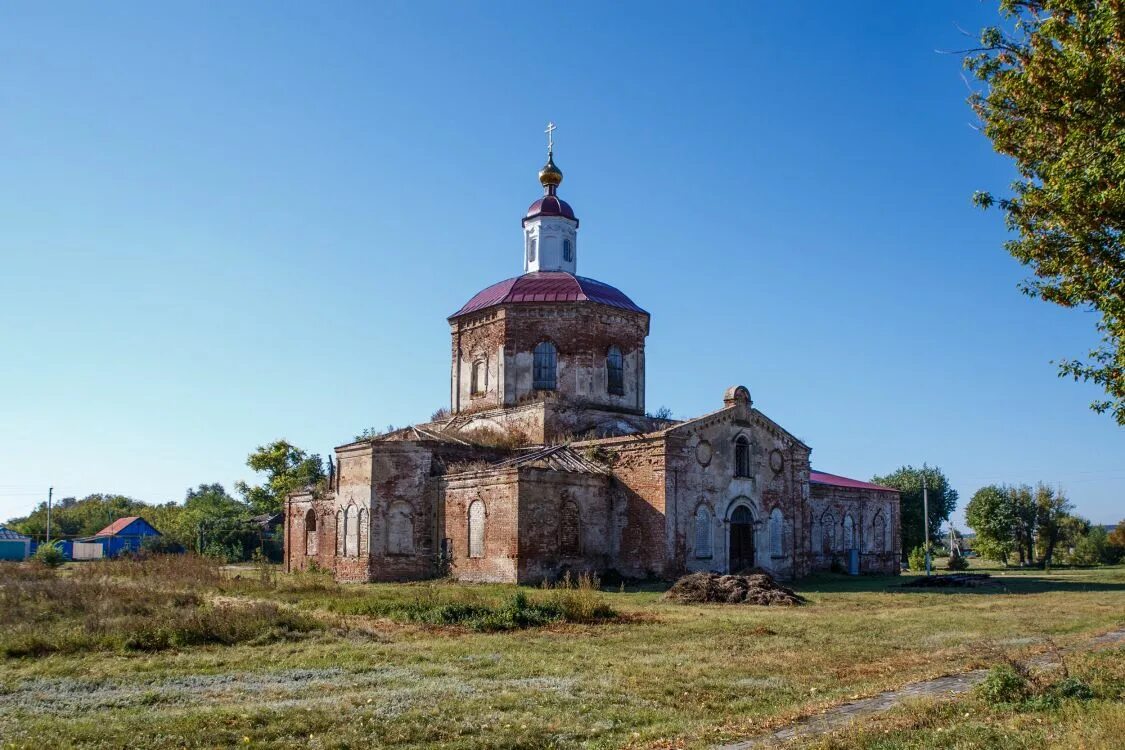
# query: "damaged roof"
{"type": "Point", "coordinates": [555, 458]}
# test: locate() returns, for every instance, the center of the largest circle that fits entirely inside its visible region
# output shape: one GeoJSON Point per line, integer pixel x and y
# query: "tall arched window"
{"type": "Point", "coordinates": [310, 533]}
{"type": "Point", "coordinates": [570, 532]}
{"type": "Point", "coordinates": [879, 533]}
{"type": "Point", "coordinates": [702, 532]}
{"type": "Point", "coordinates": [544, 366]}
{"type": "Point", "coordinates": [741, 456]}
{"type": "Point", "coordinates": [615, 371]}
{"type": "Point", "coordinates": [351, 531]}
{"type": "Point", "coordinates": [400, 529]}
{"type": "Point", "coordinates": [776, 528]}
{"type": "Point", "coordinates": [531, 248]}
{"type": "Point", "coordinates": [476, 529]}
{"type": "Point", "coordinates": [363, 535]}
{"type": "Point", "coordinates": [340, 533]}
{"type": "Point", "coordinates": [479, 380]}
{"type": "Point", "coordinates": [828, 533]}
{"type": "Point", "coordinates": [568, 251]}
{"type": "Point", "coordinates": [849, 532]}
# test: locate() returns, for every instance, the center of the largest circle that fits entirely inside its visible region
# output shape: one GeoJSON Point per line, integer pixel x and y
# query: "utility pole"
{"type": "Point", "coordinates": [50, 492]}
{"type": "Point", "coordinates": [926, 517]}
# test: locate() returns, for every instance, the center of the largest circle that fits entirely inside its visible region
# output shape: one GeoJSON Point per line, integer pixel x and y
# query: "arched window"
{"type": "Point", "coordinates": [351, 531]}
{"type": "Point", "coordinates": [544, 367]}
{"type": "Point", "coordinates": [741, 456]}
{"type": "Point", "coordinates": [776, 528]}
{"type": "Point", "coordinates": [849, 532]}
{"type": "Point", "coordinates": [828, 533]}
{"type": "Point", "coordinates": [310, 533]}
{"type": "Point", "coordinates": [879, 533]}
{"type": "Point", "coordinates": [340, 533]}
{"type": "Point", "coordinates": [531, 247]}
{"type": "Point", "coordinates": [703, 532]}
{"type": "Point", "coordinates": [615, 371]}
{"type": "Point", "coordinates": [476, 529]}
{"type": "Point", "coordinates": [568, 251]}
{"type": "Point", "coordinates": [364, 535]}
{"type": "Point", "coordinates": [479, 380]}
{"type": "Point", "coordinates": [400, 529]}
{"type": "Point", "coordinates": [570, 533]}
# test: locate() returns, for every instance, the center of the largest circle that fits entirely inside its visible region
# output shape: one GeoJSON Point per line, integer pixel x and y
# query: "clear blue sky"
{"type": "Point", "coordinates": [225, 223]}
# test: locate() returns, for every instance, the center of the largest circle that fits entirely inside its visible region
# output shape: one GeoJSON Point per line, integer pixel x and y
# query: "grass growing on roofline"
{"type": "Point", "coordinates": [657, 675]}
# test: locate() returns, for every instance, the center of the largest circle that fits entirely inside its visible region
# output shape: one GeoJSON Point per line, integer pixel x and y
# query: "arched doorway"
{"type": "Point", "coordinates": [741, 547]}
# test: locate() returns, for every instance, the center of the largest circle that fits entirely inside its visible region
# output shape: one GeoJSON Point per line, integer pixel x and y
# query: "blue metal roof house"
{"type": "Point", "coordinates": [14, 546]}
{"type": "Point", "coordinates": [124, 535]}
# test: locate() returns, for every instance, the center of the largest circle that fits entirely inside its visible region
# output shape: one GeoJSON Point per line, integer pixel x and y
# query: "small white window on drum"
{"type": "Point", "coordinates": [568, 251]}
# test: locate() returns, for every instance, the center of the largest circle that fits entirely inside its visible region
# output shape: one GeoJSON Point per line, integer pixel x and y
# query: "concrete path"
{"type": "Point", "coordinates": [940, 688]}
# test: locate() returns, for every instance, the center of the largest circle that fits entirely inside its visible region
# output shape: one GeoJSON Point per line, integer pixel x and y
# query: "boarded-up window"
{"type": "Point", "coordinates": [741, 456]}
{"type": "Point", "coordinates": [400, 529]}
{"type": "Point", "coordinates": [849, 532]}
{"type": "Point", "coordinates": [310, 533]}
{"type": "Point", "coordinates": [340, 533]}
{"type": "Point", "coordinates": [828, 533]}
{"type": "Point", "coordinates": [476, 529]}
{"type": "Point", "coordinates": [364, 532]}
{"type": "Point", "coordinates": [702, 531]}
{"type": "Point", "coordinates": [615, 371]}
{"type": "Point", "coordinates": [351, 531]}
{"type": "Point", "coordinates": [544, 366]}
{"type": "Point", "coordinates": [776, 527]}
{"type": "Point", "coordinates": [569, 529]}
{"type": "Point", "coordinates": [879, 533]}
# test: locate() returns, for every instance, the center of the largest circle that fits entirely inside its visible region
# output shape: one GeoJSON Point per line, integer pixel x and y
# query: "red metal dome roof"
{"type": "Point", "coordinates": [550, 205]}
{"type": "Point", "coordinates": [547, 286]}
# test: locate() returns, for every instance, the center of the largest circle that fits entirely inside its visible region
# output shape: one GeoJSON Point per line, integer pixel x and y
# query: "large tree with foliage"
{"type": "Point", "coordinates": [1054, 101]}
{"type": "Point", "coordinates": [71, 517]}
{"type": "Point", "coordinates": [287, 468]}
{"type": "Point", "coordinates": [991, 514]}
{"type": "Point", "coordinates": [943, 499]}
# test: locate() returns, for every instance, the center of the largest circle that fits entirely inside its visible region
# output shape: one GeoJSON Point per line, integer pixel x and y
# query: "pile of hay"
{"type": "Point", "coordinates": [958, 581]}
{"type": "Point", "coordinates": [754, 588]}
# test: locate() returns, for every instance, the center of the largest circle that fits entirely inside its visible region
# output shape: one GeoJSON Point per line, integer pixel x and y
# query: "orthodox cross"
{"type": "Point", "coordinates": [550, 131]}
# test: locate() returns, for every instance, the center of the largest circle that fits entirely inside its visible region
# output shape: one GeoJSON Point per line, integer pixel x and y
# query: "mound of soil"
{"type": "Point", "coordinates": [711, 588]}
{"type": "Point", "coordinates": [954, 581]}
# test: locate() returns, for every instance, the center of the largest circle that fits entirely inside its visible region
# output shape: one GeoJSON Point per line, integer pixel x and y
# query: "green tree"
{"type": "Point", "coordinates": [1053, 521]}
{"type": "Point", "coordinates": [72, 517]}
{"type": "Point", "coordinates": [287, 468]}
{"type": "Point", "coordinates": [1023, 506]}
{"type": "Point", "coordinates": [1092, 548]}
{"type": "Point", "coordinates": [992, 515]}
{"type": "Point", "coordinates": [943, 499]}
{"type": "Point", "coordinates": [1115, 543]}
{"type": "Point", "coordinates": [1053, 98]}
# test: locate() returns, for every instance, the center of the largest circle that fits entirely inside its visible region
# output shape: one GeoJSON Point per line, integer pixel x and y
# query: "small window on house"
{"type": "Point", "coordinates": [849, 532]}
{"type": "Point", "coordinates": [568, 251]}
{"type": "Point", "coordinates": [531, 248]}
{"type": "Point", "coordinates": [479, 380]}
{"type": "Point", "coordinates": [776, 528]}
{"type": "Point", "coordinates": [310, 533]}
{"type": "Point", "coordinates": [351, 531]}
{"type": "Point", "coordinates": [615, 371]}
{"type": "Point", "coordinates": [879, 533]}
{"type": "Point", "coordinates": [400, 529]}
{"type": "Point", "coordinates": [702, 532]}
{"type": "Point", "coordinates": [569, 529]}
{"type": "Point", "coordinates": [741, 456]}
{"type": "Point", "coordinates": [476, 529]}
{"type": "Point", "coordinates": [544, 366]}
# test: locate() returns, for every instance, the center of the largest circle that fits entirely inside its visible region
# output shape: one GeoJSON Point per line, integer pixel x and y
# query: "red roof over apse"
{"type": "Point", "coordinates": [117, 526]}
{"type": "Point", "coordinates": [820, 477]}
{"type": "Point", "coordinates": [547, 286]}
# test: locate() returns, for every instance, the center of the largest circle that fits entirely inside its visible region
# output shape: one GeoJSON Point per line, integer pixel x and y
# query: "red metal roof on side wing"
{"type": "Point", "coordinates": [820, 477]}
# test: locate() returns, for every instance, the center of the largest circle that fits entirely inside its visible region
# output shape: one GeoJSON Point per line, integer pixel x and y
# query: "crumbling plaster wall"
{"type": "Point", "coordinates": [547, 531]}
{"type": "Point", "coordinates": [830, 504]}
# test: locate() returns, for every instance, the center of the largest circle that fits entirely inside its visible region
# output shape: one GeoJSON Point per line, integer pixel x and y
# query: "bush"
{"type": "Point", "coordinates": [957, 562]}
{"type": "Point", "coordinates": [1004, 684]}
{"type": "Point", "coordinates": [917, 558]}
{"type": "Point", "coordinates": [49, 555]}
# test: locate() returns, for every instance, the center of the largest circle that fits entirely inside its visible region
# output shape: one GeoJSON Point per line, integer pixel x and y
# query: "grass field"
{"type": "Point", "coordinates": [177, 654]}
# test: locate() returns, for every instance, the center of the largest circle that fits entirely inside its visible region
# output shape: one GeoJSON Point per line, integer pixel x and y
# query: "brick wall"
{"type": "Point", "coordinates": [829, 505]}
{"type": "Point", "coordinates": [564, 524]}
{"type": "Point", "coordinates": [498, 490]}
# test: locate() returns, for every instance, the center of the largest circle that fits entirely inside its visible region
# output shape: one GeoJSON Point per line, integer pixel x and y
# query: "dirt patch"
{"type": "Point", "coordinates": [955, 581]}
{"type": "Point", "coordinates": [711, 588]}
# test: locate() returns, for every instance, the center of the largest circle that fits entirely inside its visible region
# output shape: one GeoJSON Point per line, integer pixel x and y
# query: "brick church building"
{"type": "Point", "coordinates": [548, 462]}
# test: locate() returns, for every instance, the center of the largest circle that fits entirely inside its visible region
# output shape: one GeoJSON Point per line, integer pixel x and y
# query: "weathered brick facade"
{"type": "Point", "coordinates": [554, 359]}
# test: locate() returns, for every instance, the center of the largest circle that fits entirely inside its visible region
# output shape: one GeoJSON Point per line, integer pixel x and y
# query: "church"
{"type": "Point", "coordinates": [547, 461]}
